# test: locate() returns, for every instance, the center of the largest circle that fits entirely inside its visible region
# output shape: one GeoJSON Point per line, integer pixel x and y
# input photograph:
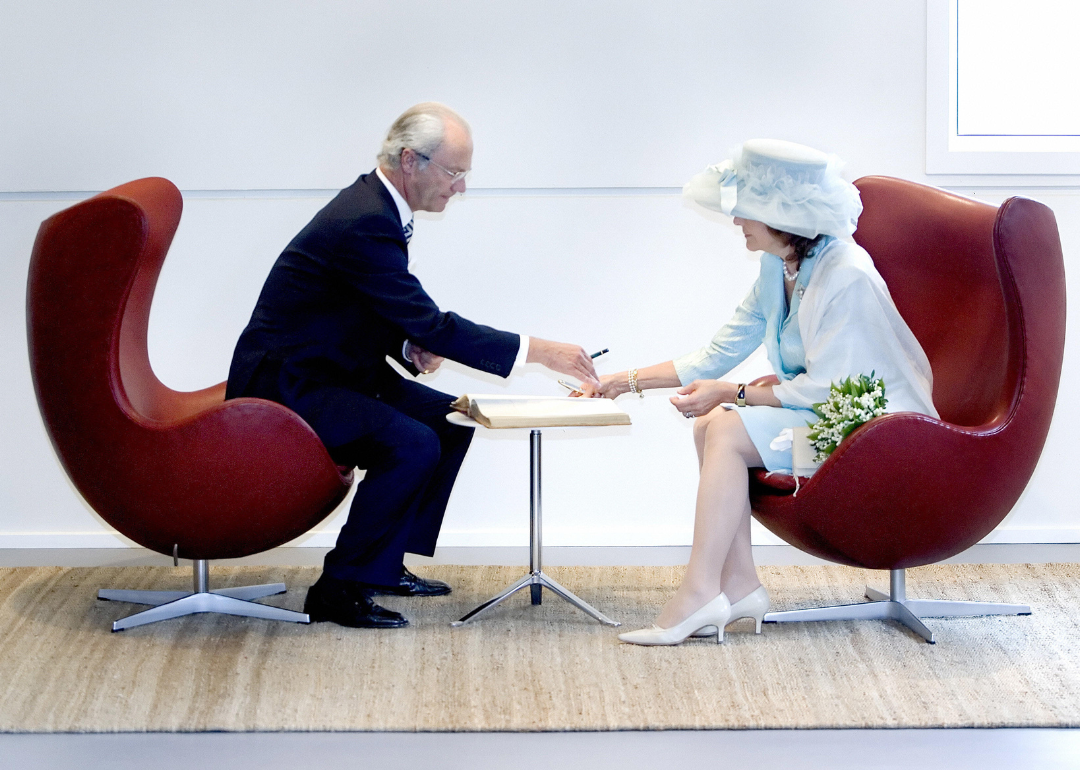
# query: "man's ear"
{"type": "Point", "coordinates": [408, 160]}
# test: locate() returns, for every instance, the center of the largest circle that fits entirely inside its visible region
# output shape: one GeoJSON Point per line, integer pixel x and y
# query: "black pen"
{"type": "Point", "coordinates": [597, 355]}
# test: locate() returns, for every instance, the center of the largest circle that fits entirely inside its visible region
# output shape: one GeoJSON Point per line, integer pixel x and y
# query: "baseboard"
{"type": "Point", "coordinates": [780, 555]}
{"type": "Point", "coordinates": [556, 537]}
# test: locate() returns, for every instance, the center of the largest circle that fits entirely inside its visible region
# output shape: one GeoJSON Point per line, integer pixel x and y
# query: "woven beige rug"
{"type": "Point", "coordinates": [535, 668]}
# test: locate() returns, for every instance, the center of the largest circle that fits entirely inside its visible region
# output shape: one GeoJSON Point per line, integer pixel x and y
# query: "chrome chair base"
{"type": "Point", "coordinates": [896, 606]}
{"type": "Point", "coordinates": [226, 601]}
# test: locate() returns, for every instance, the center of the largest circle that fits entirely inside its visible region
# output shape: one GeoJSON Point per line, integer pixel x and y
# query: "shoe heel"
{"type": "Point", "coordinates": [753, 605]}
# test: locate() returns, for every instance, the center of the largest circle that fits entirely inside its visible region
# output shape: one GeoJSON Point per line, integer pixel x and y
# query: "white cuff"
{"type": "Point", "coordinates": [405, 352]}
{"type": "Point", "coordinates": [522, 354]}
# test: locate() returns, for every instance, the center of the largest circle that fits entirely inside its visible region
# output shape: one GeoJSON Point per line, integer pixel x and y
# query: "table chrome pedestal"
{"type": "Point", "coordinates": [536, 579]}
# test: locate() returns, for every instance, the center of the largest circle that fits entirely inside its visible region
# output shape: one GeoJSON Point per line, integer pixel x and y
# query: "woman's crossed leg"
{"type": "Point", "coordinates": [720, 559]}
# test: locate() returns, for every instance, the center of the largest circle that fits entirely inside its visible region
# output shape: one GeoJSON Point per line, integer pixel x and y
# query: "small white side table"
{"type": "Point", "coordinates": [536, 579]}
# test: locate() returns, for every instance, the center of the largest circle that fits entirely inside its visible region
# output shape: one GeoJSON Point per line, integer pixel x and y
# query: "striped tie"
{"type": "Point", "coordinates": [407, 229]}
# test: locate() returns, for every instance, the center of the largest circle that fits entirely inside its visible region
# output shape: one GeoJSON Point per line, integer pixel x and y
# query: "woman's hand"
{"type": "Point", "coordinates": [611, 386]}
{"type": "Point", "coordinates": [702, 396]}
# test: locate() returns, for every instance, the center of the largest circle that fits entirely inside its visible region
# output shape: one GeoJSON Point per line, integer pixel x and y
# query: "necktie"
{"type": "Point", "coordinates": [407, 229]}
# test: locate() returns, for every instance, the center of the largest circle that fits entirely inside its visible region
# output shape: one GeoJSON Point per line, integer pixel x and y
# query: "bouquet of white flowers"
{"type": "Point", "coordinates": [851, 403]}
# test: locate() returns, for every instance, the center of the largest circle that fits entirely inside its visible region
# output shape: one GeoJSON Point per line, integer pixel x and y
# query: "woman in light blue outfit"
{"type": "Point", "coordinates": [823, 313]}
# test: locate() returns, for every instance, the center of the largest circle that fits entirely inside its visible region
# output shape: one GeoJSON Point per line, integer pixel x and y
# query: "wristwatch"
{"type": "Point", "coordinates": [740, 396]}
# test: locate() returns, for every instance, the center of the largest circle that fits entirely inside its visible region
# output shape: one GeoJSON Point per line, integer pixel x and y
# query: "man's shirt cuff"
{"type": "Point", "coordinates": [519, 361]}
{"type": "Point", "coordinates": [522, 354]}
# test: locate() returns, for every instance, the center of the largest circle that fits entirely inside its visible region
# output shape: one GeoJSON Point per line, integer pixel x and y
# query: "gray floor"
{"type": "Point", "coordinates": [833, 749]}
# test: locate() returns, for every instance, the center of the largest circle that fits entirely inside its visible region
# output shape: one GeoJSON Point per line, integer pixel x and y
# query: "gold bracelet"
{"type": "Point", "coordinates": [631, 377]}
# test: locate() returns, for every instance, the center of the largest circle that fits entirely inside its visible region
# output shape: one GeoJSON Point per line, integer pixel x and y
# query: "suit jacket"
{"type": "Point", "coordinates": [340, 298]}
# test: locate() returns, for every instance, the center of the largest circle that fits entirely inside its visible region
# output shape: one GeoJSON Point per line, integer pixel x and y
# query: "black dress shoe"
{"type": "Point", "coordinates": [348, 605]}
{"type": "Point", "coordinates": [413, 585]}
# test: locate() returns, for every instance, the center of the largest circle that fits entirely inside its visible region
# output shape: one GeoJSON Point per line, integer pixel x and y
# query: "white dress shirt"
{"type": "Point", "coordinates": [405, 212]}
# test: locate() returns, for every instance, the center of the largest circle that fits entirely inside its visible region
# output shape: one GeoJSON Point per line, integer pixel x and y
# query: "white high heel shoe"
{"type": "Point", "coordinates": [754, 605]}
{"type": "Point", "coordinates": [715, 614]}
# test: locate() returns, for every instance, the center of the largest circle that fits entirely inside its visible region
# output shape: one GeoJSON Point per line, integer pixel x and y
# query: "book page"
{"type": "Point", "coordinates": [497, 411]}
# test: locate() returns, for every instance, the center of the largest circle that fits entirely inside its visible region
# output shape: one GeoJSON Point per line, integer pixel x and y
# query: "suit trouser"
{"type": "Point", "coordinates": [411, 463]}
{"type": "Point", "coordinates": [398, 433]}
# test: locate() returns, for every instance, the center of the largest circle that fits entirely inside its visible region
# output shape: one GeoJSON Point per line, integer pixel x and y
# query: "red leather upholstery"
{"type": "Point", "coordinates": [218, 479]}
{"type": "Point", "coordinates": [983, 289]}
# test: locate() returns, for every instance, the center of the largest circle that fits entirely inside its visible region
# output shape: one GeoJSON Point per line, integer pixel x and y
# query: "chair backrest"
{"type": "Point", "coordinates": [162, 466]}
{"type": "Point", "coordinates": [951, 264]}
{"type": "Point", "coordinates": [983, 289]}
{"type": "Point", "coordinates": [91, 283]}
{"type": "Point", "coordinates": [935, 250]}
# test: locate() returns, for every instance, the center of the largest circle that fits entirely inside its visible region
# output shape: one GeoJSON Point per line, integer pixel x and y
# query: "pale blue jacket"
{"type": "Point", "coordinates": [762, 317]}
{"type": "Point", "coordinates": [842, 323]}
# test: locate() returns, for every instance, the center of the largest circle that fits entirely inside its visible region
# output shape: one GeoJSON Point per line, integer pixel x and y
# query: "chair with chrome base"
{"type": "Point", "coordinates": [983, 289]}
{"type": "Point", "coordinates": [184, 474]}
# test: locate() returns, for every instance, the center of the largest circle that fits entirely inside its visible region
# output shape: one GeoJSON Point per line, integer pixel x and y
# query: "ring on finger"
{"type": "Point", "coordinates": [688, 415]}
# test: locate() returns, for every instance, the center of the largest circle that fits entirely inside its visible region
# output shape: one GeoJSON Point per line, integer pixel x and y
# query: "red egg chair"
{"type": "Point", "coordinates": [184, 474]}
{"type": "Point", "coordinates": [983, 289]}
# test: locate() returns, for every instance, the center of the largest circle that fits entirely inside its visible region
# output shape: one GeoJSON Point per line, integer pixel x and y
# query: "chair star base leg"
{"type": "Point", "coordinates": [886, 610]}
{"type": "Point", "coordinates": [227, 601]}
{"type": "Point", "coordinates": [155, 598]}
{"type": "Point", "coordinates": [208, 602]}
{"type": "Point", "coordinates": [896, 606]}
{"type": "Point", "coordinates": [938, 608]}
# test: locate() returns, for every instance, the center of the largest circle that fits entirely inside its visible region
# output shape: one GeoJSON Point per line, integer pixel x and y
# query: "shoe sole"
{"type": "Point", "coordinates": [316, 618]}
{"type": "Point", "coordinates": [388, 592]}
{"type": "Point", "coordinates": [316, 615]}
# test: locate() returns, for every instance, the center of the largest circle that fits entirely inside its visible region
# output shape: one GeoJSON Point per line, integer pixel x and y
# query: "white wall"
{"type": "Point", "coordinates": [273, 94]}
{"type": "Point", "coordinates": [284, 99]}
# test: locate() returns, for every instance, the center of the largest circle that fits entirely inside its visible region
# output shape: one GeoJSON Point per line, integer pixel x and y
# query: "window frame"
{"type": "Point", "coordinates": [948, 153]}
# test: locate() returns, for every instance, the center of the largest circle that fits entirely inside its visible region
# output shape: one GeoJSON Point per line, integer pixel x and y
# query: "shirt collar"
{"type": "Point", "coordinates": [404, 211]}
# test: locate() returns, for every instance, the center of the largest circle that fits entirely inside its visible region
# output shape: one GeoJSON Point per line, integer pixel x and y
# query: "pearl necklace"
{"type": "Point", "coordinates": [790, 277]}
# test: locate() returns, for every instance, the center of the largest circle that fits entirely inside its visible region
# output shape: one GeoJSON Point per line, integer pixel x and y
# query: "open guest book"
{"type": "Point", "coordinates": [539, 411]}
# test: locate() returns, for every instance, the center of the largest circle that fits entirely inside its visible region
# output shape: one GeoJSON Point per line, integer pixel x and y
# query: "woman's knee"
{"type": "Point", "coordinates": [725, 429]}
{"type": "Point", "coordinates": [703, 424]}
{"type": "Point", "coordinates": [713, 424]}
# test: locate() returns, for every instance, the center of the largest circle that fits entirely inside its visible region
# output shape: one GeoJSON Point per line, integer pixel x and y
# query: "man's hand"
{"type": "Point", "coordinates": [424, 360]}
{"type": "Point", "coordinates": [563, 358]}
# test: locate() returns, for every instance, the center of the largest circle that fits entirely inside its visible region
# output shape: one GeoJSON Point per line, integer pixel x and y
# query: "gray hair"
{"type": "Point", "coordinates": [421, 128]}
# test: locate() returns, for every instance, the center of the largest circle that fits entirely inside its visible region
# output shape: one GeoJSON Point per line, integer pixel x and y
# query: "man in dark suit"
{"type": "Point", "coordinates": [338, 301]}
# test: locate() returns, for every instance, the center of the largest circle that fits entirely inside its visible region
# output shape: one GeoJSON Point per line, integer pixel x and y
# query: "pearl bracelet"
{"type": "Point", "coordinates": [631, 377]}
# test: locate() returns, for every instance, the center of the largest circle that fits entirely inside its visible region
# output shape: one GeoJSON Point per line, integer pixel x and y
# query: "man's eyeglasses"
{"type": "Point", "coordinates": [455, 176]}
